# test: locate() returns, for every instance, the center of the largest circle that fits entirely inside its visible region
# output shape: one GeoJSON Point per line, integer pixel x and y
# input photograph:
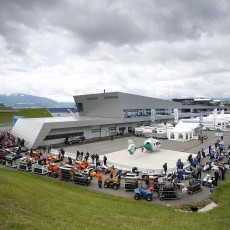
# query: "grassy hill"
{"type": "Point", "coordinates": [29, 201]}
{"type": "Point", "coordinates": [6, 117]}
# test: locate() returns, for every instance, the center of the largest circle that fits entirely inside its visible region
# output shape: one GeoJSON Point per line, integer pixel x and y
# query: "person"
{"type": "Point", "coordinates": [221, 148]}
{"type": "Point", "coordinates": [212, 155]}
{"type": "Point", "coordinates": [216, 175]}
{"type": "Point", "coordinates": [81, 156]}
{"type": "Point", "coordinates": [190, 158]}
{"type": "Point", "coordinates": [104, 160]}
{"type": "Point", "coordinates": [209, 149]}
{"type": "Point", "coordinates": [201, 139]}
{"type": "Point", "coordinates": [22, 142]}
{"type": "Point", "coordinates": [180, 164]}
{"type": "Point", "coordinates": [203, 153]}
{"type": "Point", "coordinates": [165, 167]}
{"type": "Point", "coordinates": [99, 179]}
{"type": "Point", "coordinates": [87, 156]}
{"type": "Point", "coordinates": [111, 172]}
{"type": "Point", "coordinates": [62, 154]}
{"type": "Point", "coordinates": [93, 157]}
{"type": "Point", "coordinates": [111, 138]}
{"type": "Point", "coordinates": [199, 170]}
{"type": "Point", "coordinates": [97, 158]}
{"type": "Point", "coordinates": [198, 157]}
{"type": "Point", "coordinates": [70, 161]}
{"type": "Point", "coordinates": [77, 155]}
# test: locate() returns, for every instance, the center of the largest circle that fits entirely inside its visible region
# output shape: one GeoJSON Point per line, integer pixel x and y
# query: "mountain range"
{"type": "Point", "coordinates": [30, 101]}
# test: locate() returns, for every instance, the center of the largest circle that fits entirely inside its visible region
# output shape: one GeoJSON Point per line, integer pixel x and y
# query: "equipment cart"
{"type": "Point", "coordinates": [194, 186]}
{"type": "Point", "coordinates": [81, 178]}
{"type": "Point", "coordinates": [168, 192]}
{"type": "Point", "coordinates": [131, 182]}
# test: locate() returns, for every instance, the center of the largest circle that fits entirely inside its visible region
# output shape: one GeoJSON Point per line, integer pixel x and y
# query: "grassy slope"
{"type": "Point", "coordinates": [29, 201]}
{"type": "Point", "coordinates": [6, 117]}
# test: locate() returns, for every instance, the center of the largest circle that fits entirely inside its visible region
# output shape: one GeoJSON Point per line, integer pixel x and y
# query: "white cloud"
{"type": "Point", "coordinates": [59, 49]}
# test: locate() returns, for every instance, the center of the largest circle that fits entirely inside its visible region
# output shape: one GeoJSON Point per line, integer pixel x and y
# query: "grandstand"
{"type": "Point", "coordinates": [63, 112]}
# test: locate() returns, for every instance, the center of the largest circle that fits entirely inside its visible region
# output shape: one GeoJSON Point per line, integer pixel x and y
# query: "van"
{"type": "Point", "coordinates": [72, 140]}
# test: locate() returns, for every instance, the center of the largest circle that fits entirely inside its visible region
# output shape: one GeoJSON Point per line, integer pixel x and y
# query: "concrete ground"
{"type": "Point", "coordinates": [118, 144]}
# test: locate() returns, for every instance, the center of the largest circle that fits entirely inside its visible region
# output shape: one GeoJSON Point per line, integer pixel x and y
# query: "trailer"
{"type": "Point", "coordinates": [24, 164]}
{"type": "Point", "coordinates": [40, 169]}
{"type": "Point", "coordinates": [66, 172]}
{"type": "Point", "coordinates": [11, 160]}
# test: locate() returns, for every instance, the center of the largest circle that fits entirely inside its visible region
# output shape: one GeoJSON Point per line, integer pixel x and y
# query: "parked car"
{"type": "Point", "coordinates": [72, 140]}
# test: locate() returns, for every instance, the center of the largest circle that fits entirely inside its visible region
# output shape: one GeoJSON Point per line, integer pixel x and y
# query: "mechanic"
{"type": "Point", "coordinates": [111, 172]}
{"type": "Point", "coordinates": [199, 170]}
{"type": "Point", "coordinates": [99, 179]}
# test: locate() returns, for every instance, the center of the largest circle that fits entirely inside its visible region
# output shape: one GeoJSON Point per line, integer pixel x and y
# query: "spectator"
{"type": "Point", "coordinates": [190, 159]}
{"type": "Point", "coordinates": [203, 153]}
{"type": "Point", "coordinates": [104, 160]}
{"type": "Point", "coordinates": [93, 158]}
{"type": "Point", "coordinates": [70, 161]}
{"type": "Point", "coordinates": [97, 158]}
{"type": "Point", "coordinates": [216, 175]}
{"type": "Point", "coordinates": [209, 149]}
{"type": "Point", "coordinates": [77, 155]}
{"type": "Point", "coordinates": [165, 167]}
{"type": "Point", "coordinates": [22, 142]}
{"type": "Point", "coordinates": [62, 154]}
{"type": "Point", "coordinates": [198, 157]}
{"type": "Point", "coordinates": [81, 156]}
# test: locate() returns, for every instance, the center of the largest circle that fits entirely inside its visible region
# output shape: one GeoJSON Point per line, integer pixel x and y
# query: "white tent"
{"type": "Point", "coordinates": [184, 131]}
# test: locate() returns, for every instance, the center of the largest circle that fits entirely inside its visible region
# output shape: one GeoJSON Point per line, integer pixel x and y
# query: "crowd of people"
{"type": "Point", "coordinates": [211, 163]}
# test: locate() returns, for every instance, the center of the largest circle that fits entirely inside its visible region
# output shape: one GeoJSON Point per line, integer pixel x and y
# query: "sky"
{"type": "Point", "coordinates": [157, 48]}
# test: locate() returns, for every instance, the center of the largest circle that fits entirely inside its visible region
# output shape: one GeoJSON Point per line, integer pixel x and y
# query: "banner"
{"type": "Point", "coordinates": [176, 116]}
{"type": "Point", "coordinates": [153, 115]}
{"type": "Point", "coordinates": [201, 118]}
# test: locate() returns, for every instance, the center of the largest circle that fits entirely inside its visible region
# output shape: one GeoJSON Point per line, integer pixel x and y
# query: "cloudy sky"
{"type": "Point", "coordinates": [156, 48]}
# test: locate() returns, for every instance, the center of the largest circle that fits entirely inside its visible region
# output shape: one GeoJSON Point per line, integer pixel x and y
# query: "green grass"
{"type": "Point", "coordinates": [29, 201]}
{"type": "Point", "coordinates": [6, 117]}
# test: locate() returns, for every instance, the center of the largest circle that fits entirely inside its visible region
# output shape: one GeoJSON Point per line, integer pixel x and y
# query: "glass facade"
{"type": "Point", "coordinates": [134, 113]}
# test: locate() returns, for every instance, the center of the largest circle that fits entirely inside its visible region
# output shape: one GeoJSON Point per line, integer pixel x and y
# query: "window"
{"type": "Point", "coordinates": [59, 136]}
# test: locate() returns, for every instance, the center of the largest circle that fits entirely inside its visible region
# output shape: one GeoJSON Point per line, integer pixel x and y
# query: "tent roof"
{"type": "Point", "coordinates": [185, 127]}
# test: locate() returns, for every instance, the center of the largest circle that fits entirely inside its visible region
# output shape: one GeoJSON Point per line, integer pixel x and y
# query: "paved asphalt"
{"type": "Point", "coordinates": [119, 143]}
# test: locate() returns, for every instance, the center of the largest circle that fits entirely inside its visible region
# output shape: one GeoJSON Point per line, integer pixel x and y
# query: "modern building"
{"type": "Point", "coordinates": [99, 115]}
